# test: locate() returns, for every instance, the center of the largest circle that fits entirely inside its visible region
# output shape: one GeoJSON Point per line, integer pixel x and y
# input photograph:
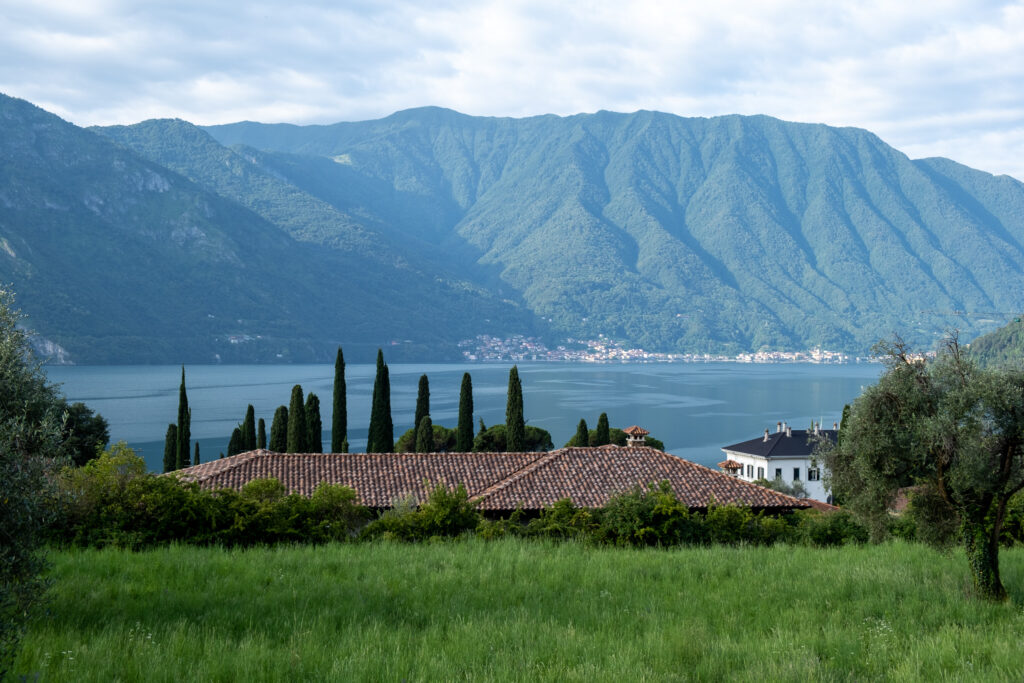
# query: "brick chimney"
{"type": "Point", "coordinates": [635, 436]}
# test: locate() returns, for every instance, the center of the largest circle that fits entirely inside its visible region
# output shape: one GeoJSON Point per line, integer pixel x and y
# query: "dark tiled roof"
{"type": "Point", "coordinates": [499, 481]}
{"type": "Point", "coordinates": [799, 445]}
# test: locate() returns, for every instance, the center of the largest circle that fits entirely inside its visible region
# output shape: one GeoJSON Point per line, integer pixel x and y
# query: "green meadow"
{"type": "Point", "coordinates": [522, 610]}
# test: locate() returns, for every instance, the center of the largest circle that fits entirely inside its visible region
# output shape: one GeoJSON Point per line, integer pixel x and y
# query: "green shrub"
{"type": "Point", "coordinates": [446, 513]}
{"type": "Point", "coordinates": [830, 528]}
{"type": "Point", "coordinates": [651, 516]}
{"type": "Point", "coordinates": [563, 521]}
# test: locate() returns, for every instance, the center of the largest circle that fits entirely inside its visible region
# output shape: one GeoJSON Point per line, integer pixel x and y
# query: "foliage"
{"type": "Point", "coordinates": [582, 437]}
{"type": "Point", "coordinates": [261, 434]}
{"type": "Point", "coordinates": [31, 447]}
{"type": "Point", "coordinates": [339, 409]}
{"type": "Point", "coordinates": [447, 512]}
{"type": "Point", "coordinates": [422, 401]}
{"type": "Point", "coordinates": [249, 429]}
{"type": "Point", "coordinates": [444, 441]}
{"type": "Point", "coordinates": [464, 430]}
{"type": "Point", "coordinates": [279, 431]}
{"type": "Point", "coordinates": [515, 424]}
{"type": "Point", "coordinates": [314, 426]}
{"type": "Point", "coordinates": [297, 426]}
{"type": "Point", "coordinates": [171, 448]}
{"type": "Point", "coordinates": [615, 436]}
{"type": "Point", "coordinates": [236, 444]}
{"type": "Point", "coordinates": [492, 439]}
{"type": "Point", "coordinates": [425, 436]}
{"type": "Point", "coordinates": [950, 426]}
{"type": "Point", "coordinates": [602, 435]}
{"type": "Point", "coordinates": [84, 433]}
{"type": "Point", "coordinates": [184, 433]}
{"type": "Point", "coordinates": [380, 436]}
{"type": "Point", "coordinates": [795, 489]}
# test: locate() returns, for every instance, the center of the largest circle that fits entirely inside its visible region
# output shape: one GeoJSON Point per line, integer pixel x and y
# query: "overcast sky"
{"type": "Point", "coordinates": [937, 78]}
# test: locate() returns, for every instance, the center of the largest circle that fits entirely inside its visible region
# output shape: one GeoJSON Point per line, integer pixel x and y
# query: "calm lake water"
{"type": "Point", "coordinates": [694, 408]}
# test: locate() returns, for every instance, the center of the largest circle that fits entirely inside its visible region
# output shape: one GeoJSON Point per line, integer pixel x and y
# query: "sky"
{"type": "Point", "coordinates": [939, 78]}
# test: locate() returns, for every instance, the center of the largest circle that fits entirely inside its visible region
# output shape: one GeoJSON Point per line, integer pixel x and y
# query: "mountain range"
{"type": "Point", "coordinates": [166, 241]}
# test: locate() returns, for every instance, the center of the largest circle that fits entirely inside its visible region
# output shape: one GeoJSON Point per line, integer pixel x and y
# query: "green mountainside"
{"type": "Point", "coordinates": [164, 241]}
{"type": "Point", "coordinates": [729, 233]}
{"type": "Point", "coordinates": [118, 259]}
{"type": "Point", "coordinates": [1002, 346]}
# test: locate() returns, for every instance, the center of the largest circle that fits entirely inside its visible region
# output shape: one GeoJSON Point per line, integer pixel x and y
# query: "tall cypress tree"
{"type": "Point", "coordinates": [381, 435]}
{"type": "Point", "coordinates": [464, 433]}
{"type": "Point", "coordinates": [297, 423]}
{"type": "Point", "coordinates": [515, 425]}
{"type": "Point", "coordinates": [339, 414]}
{"type": "Point", "coordinates": [425, 436]}
{"type": "Point", "coordinates": [171, 448]}
{"type": "Point", "coordinates": [236, 444]}
{"type": "Point", "coordinates": [422, 401]}
{"type": "Point", "coordinates": [314, 425]}
{"type": "Point", "coordinates": [195, 460]}
{"type": "Point", "coordinates": [279, 431]}
{"type": "Point", "coordinates": [582, 437]}
{"type": "Point", "coordinates": [602, 436]}
{"type": "Point", "coordinates": [249, 429]}
{"type": "Point", "coordinates": [184, 425]}
{"type": "Point", "coordinates": [261, 434]}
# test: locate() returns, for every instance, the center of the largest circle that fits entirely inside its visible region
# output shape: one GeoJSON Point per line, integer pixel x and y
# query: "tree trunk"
{"type": "Point", "coordinates": [982, 545]}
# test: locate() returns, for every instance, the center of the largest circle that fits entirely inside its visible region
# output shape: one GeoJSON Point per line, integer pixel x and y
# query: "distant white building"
{"type": "Point", "coordinates": [786, 454]}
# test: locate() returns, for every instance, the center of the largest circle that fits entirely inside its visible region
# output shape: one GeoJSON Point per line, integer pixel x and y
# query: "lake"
{"type": "Point", "coordinates": [695, 408]}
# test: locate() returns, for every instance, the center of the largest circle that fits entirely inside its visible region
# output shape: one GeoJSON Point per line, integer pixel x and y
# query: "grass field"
{"type": "Point", "coordinates": [522, 610]}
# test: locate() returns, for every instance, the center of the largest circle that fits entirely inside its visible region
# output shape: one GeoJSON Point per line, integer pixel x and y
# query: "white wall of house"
{"type": "Point", "coordinates": [756, 468]}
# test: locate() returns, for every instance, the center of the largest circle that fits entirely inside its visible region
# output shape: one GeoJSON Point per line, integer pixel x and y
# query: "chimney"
{"type": "Point", "coordinates": [778, 427]}
{"type": "Point", "coordinates": [635, 436]}
{"type": "Point", "coordinates": [835, 426]}
{"type": "Point", "coordinates": [789, 431]}
{"type": "Point", "coordinates": [766, 434]}
{"type": "Point", "coordinates": [785, 427]}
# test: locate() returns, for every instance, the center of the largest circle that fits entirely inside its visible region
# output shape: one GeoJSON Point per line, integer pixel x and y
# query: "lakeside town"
{"type": "Point", "coordinates": [604, 350]}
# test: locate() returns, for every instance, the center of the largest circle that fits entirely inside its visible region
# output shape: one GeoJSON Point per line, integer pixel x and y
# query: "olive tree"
{"type": "Point", "coordinates": [947, 427]}
{"type": "Point", "coordinates": [31, 449]}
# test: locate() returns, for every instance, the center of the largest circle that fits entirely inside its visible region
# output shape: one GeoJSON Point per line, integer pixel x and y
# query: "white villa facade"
{"type": "Point", "coordinates": [786, 454]}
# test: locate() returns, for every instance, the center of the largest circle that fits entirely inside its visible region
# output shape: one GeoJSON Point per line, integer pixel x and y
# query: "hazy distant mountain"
{"type": "Point", "coordinates": [165, 241]}
{"type": "Point", "coordinates": [732, 232]}
{"type": "Point", "coordinates": [1003, 346]}
{"type": "Point", "coordinates": [118, 259]}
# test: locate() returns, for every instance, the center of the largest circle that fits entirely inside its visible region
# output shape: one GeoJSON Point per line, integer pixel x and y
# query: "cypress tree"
{"type": "Point", "coordinates": [425, 436]}
{"type": "Point", "coordinates": [279, 431]}
{"type": "Point", "coordinates": [297, 423]}
{"type": "Point", "coordinates": [422, 401]}
{"type": "Point", "coordinates": [582, 437]}
{"type": "Point", "coordinates": [171, 448]}
{"type": "Point", "coordinates": [195, 460]}
{"type": "Point", "coordinates": [314, 425]}
{"type": "Point", "coordinates": [515, 425]}
{"type": "Point", "coordinates": [249, 429]}
{"type": "Point", "coordinates": [464, 433]}
{"type": "Point", "coordinates": [261, 434]}
{"type": "Point", "coordinates": [339, 414]}
{"type": "Point", "coordinates": [603, 435]}
{"type": "Point", "coordinates": [381, 435]}
{"type": "Point", "coordinates": [236, 444]}
{"type": "Point", "coordinates": [184, 425]}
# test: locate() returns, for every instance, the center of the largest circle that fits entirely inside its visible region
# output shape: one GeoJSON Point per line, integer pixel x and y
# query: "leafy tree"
{"type": "Point", "coordinates": [492, 440]}
{"type": "Point", "coordinates": [261, 434]}
{"type": "Point", "coordinates": [85, 433]}
{"type": "Point", "coordinates": [582, 437]}
{"type": "Point", "coordinates": [425, 435]}
{"type": "Point", "coordinates": [249, 429]}
{"type": "Point", "coordinates": [422, 401]}
{"type": "Point", "coordinates": [444, 440]}
{"type": "Point", "coordinates": [339, 414]}
{"type": "Point", "coordinates": [314, 427]}
{"type": "Point", "coordinates": [184, 425]}
{"type": "Point", "coordinates": [171, 448]}
{"type": "Point", "coordinates": [279, 431]}
{"type": "Point", "coordinates": [515, 425]}
{"type": "Point", "coordinates": [381, 434]}
{"type": "Point", "coordinates": [947, 426]}
{"type": "Point", "coordinates": [236, 444]}
{"type": "Point", "coordinates": [195, 460]}
{"type": "Point", "coordinates": [796, 489]}
{"type": "Point", "coordinates": [602, 437]}
{"type": "Point", "coordinates": [464, 440]}
{"type": "Point", "coordinates": [297, 427]}
{"type": "Point", "coordinates": [31, 446]}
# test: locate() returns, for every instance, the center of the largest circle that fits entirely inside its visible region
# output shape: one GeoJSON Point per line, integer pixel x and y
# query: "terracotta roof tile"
{"type": "Point", "coordinates": [499, 481]}
{"type": "Point", "coordinates": [730, 465]}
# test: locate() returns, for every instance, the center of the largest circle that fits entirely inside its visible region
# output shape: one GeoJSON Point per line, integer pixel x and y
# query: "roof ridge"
{"type": "Point", "coordinates": [529, 468]}
{"type": "Point", "coordinates": [227, 464]}
{"type": "Point", "coordinates": [736, 480]}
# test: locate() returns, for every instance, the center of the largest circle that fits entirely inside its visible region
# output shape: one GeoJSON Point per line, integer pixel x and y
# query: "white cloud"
{"type": "Point", "coordinates": [941, 78]}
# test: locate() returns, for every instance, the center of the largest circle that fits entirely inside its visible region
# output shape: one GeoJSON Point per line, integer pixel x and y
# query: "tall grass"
{"type": "Point", "coordinates": [523, 610]}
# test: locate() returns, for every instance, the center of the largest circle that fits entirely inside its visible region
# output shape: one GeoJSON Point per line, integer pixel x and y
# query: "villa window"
{"type": "Point", "coordinates": [750, 471]}
{"type": "Point", "coordinates": [796, 474]}
{"type": "Point", "coordinates": [813, 474]}
{"type": "Point", "coordinates": [760, 473]}
{"type": "Point", "coordinates": [778, 473]}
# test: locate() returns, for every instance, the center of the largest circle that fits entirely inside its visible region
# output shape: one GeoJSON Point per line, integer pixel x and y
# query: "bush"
{"type": "Point", "coordinates": [447, 512]}
{"type": "Point", "coordinates": [444, 440]}
{"type": "Point", "coordinates": [563, 521]}
{"type": "Point", "coordinates": [492, 439]}
{"type": "Point", "coordinates": [830, 528]}
{"type": "Point", "coordinates": [650, 516]}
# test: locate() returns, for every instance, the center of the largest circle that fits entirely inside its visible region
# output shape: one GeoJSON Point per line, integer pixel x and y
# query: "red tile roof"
{"type": "Point", "coordinates": [499, 481]}
{"type": "Point", "coordinates": [730, 465]}
{"type": "Point", "coordinates": [635, 431]}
